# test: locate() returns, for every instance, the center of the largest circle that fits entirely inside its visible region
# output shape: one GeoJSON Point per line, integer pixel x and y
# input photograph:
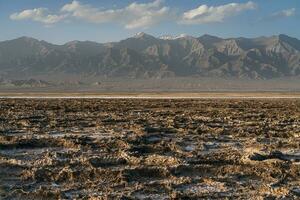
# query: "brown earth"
{"type": "Point", "coordinates": [149, 149]}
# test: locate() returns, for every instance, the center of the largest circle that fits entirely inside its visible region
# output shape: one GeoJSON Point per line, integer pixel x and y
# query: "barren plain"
{"type": "Point", "coordinates": [149, 148]}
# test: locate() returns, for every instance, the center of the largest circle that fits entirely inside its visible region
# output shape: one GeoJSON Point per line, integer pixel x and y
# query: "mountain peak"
{"type": "Point", "coordinates": [74, 42]}
{"type": "Point", "coordinates": [171, 37]}
{"type": "Point", "coordinates": [283, 36]}
{"type": "Point", "coordinates": [287, 38]}
{"type": "Point", "coordinates": [294, 42]}
{"type": "Point", "coordinates": [209, 40]}
{"type": "Point", "coordinates": [142, 35]}
{"type": "Point", "coordinates": [27, 39]}
{"type": "Point", "coordinates": [209, 37]}
{"type": "Point", "coordinates": [139, 34]}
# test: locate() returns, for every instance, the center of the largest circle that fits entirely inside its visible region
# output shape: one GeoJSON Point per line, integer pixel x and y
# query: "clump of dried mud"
{"type": "Point", "coordinates": [149, 149]}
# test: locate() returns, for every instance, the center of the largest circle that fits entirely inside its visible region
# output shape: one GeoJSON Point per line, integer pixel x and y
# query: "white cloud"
{"type": "Point", "coordinates": [38, 15]}
{"type": "Point", "coordinates": [284, 13]}
{"type": "Point", "coordinates": [205, 14]}
{"type": "Point", "coordinates": [135, 15]}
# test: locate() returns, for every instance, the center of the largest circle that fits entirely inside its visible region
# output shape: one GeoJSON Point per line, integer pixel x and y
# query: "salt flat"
{"type": "Point", "coordinates": [149, 149]}
{"type": "Point", "coordinates": [163, 95]}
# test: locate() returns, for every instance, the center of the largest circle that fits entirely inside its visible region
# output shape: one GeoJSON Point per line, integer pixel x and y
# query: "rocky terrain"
{"type": "Point", "coordinates": [149, 149]}
{"type": "Point", "coordinates": [144, 56]}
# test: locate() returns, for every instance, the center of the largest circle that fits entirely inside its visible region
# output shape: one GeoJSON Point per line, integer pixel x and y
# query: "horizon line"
{"type": "Point", "coordinates": [157, 37]}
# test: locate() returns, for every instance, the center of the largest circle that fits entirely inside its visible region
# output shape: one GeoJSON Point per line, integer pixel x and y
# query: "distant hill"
{"type": "Point", "coordinates": [24, 83]}
{"type": "Point", "coordinates": [144, 56]}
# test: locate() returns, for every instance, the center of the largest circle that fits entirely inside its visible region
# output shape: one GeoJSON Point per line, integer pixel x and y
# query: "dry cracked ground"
{"type": "Point", "coordinates": [149, 149]}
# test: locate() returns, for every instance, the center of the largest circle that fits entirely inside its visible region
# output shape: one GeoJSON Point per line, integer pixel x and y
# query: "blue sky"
{"type": "Point", "coordinates": [60, 21]}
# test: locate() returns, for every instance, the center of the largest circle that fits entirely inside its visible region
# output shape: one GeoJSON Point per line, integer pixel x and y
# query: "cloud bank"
{"type": "Point", "coordinates": [38, 15]}
{"type": "Point", "coordinates": [284, 13]}
{"type": "Point", "coordinates": [137, 15]}
{"type": "Point", "coordinates": [205, 14]}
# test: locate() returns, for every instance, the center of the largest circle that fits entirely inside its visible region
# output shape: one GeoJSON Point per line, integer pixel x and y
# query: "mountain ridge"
{"type": "Point", "coordinates": [146, 56]}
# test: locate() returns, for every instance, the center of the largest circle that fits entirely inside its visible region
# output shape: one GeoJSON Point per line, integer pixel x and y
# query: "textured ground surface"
{"type": "Point", "coordinates": [149, 149]}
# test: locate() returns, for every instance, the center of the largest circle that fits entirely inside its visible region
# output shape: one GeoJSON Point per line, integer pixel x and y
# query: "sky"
{"type": "Point", "coordinates": [61, 21]}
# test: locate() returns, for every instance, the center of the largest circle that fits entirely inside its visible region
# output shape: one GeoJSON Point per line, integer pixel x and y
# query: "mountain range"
{"type": "Point", "coordinates": [145, 56]}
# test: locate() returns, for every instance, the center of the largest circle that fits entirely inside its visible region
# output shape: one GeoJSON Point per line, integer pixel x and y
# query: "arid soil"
{"type": "Point", "coordinates": [149, 149]}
